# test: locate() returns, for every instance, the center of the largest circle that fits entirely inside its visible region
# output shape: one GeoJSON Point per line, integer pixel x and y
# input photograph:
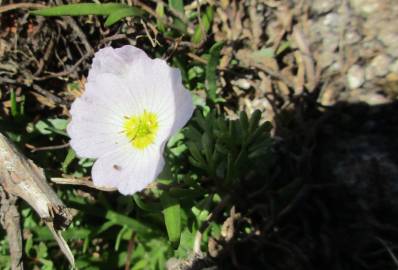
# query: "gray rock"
{"type": "Point", "coordinates": [326, 59]}
{"type": "Point", "coordinates": [394, 67]}
{"type": "Point", "coordinates": [322, 6]}
{"type": "Point", "coordinates": [378, 67]}
{"type": "Point", "coordinates": [366, 7]}
{"type": "Point", "coordinates": [352, 37]}
{"type": "Point", "coordinates": [332, 20]}
{"type": "Point", "coordinates": [355, 77]}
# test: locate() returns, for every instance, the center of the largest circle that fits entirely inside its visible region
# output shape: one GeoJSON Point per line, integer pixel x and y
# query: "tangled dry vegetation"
{"type": "Point", "coordinates": [325, 73]}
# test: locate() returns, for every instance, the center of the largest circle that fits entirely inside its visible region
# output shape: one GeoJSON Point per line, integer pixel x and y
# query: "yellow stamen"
{"type": "Point", "coordinates": [141, 130]}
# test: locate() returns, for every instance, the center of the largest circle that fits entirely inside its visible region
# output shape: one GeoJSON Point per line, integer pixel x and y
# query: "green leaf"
{"type": "Point", "coordinates": [284, 46]}
{"type": "Point", "coordinates": [148, 207]}
{"type": "Point", "coordinates": [80, 9]}
{"type": "Point", "coordinates": [28, 245]}
{"type": "Point", "coordinates": [172, 218]}
{"type": "Point", "coordinates": [41, 250]}
{"type": "Point", "coordinates": [59, 123]}
{"type": "Point", "coordinates": [123, 220]}
{"type": "Point", "coordinates": [211, 70]}
{"type": "Point", "coordinates": [265, 52]}
{"type": "Point", "coordinates": [177, 5]}
{"type": "Point", "coordinates": [51, 126]}
{"type": "Point", "coordinates": [141, 264]}
{"type": "Point", "coordinates": [119, 14]}
{"type": "Point", "coordinates": [254, 120]}
{"type": "Point", "coordinates": [186, 243]}
{"type": "Point", "coordinates": [160, 12]}
{"type": "Point", "coordinates": [14, 107]}
{"type": "Point", "coordinates": [244, 121]}
{"type": "Point", "coordinates": [204, 26]}
{"type": "Point", "coordinates": [70, 156]}
{"type": "Point", "coordinates": [104, 227]}
{"type": "Point", "coordinates": [120, 236]}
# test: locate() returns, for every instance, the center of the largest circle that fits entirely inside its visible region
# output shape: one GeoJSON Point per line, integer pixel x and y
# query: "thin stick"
{"type": "Point", "coordinates": [65, 72]}
{"type": "Point", "coordinates": [80, 182]}
{"type": "Point", "coordinates": [130, 249]}
{"type": "Point", "coordinates": [46, 148]}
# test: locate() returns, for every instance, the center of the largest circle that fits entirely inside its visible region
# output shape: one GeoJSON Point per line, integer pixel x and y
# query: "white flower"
{"type": "Point", "coordinates": [131, 105]}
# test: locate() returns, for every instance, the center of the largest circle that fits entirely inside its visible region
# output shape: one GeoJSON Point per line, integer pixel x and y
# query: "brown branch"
{"type": "Point", "coordinates": [10, 220]}
{"type": "Point", "coordinates": [20, 177]}
{"type": "Point", "coordinates": [80, 182]}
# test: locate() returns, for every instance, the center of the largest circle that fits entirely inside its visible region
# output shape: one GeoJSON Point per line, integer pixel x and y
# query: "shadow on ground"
{"type": "Point", "coordinates": [330, 199]}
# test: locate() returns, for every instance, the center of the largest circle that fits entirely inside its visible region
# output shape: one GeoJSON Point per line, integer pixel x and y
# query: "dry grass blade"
{"type": "Point", "coordinates": [62, 243]}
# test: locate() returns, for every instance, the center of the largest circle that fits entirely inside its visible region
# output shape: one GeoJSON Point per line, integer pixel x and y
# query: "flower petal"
{"type": "Point", "coordinates": [164, 95]}
{"type": "Point", "coordinates": [129, 171]}
{"type": "Point", "coordinates": [114, 61]}
{"type": "Point", "coordinates": [123, 83]}
{"type": "Point", "coordinates": [98, 117]}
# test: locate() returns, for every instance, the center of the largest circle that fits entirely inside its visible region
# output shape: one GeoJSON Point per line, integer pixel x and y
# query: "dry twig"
{"type": "Point", "coordinates": [80, 182]}
{"type": "Point", "coordinates": [20, 177]}
{"type": "Point", "coordinates": [10, 220]}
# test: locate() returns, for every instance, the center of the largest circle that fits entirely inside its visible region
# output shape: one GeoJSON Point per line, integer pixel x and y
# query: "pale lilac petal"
{"type": "Point", "coordinates": [112, 92]}
{"type": "Point", "coordinates": [128, 171]}
{"type": "Point", "coordinates": [98, 117]}
{"type": "Point", "coordinates": [164, 95]}
{"type": "Point", "coordinates": [114, 61]}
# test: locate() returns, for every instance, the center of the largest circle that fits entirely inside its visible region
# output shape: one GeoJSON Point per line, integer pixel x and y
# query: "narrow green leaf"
{"type": "Point", "coordinates": [196, 154]}
{"type": "Point", "coordinates": [177, 5]}
{"type": "Point", "coordinates": [204, 26]}
{"type": "Point", "coordinates": [172, 218]}
{"type": "Point", "coordinates": [80, 9]}
{"type": "Point", "coordinates": [261, 130]}
{"type": "Point", "coordinates": [258, 153]}
{"type": "Point", "coordinates": [120, 236]}
{"type": "Point", "coordinates": [200, 29]}
{"type": "Point", "coordinates": [14, 105]}
{"type": "Point", "coordinates": [148, 207]}
{"type": "Point", "coordinates": [122, 13]}
{"type": "Point", "coordinates": [211, 70]}
{"type": "Point", "coordinates": [207, 144]}
{"type": "Point", "coordinates": [197, 164]}
{"type": "Point", "coordinates": [263, 53]}
{"type": "Point", "coordinates": [28, 245]}
{"type": "Point", "coordinates": [123, 220]}
{"type": "Point", "coordinates": [108, 224]}
{"type": "Point", "coordinates": [254, 120]}
{"type": "Point", "coordinates": [284, 46]}
{"type": "Point", "coordinates": [160, 12]}
{"type": "Point", "coordinates": [244, 121]}
{"type": "Point", "coordinates": [230, 170]}
{"type": "Point", "coordinates": [70, 156]}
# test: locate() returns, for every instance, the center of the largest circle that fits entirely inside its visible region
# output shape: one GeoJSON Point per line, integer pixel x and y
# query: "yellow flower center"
{"type": "Point", "coordinates": [141, 130]}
